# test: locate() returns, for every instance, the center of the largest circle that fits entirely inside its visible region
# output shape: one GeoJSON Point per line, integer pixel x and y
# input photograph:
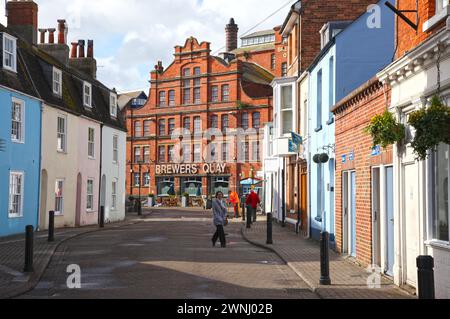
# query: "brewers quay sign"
{"type": "Point", "coordinates": [190, 169]}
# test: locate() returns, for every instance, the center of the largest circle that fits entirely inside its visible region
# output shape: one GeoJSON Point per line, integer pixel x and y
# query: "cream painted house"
{"type": "Point", "coordinates": [421, 187]}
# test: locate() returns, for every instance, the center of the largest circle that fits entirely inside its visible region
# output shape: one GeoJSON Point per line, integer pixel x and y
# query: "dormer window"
{"type": "Point", "coordinates": [57, 82]}
{"type": "Point", "coordinates": [87, 94]}
{"type": "Point", "coordinates": [113, 104]}
{"type": "Point", "coordinates": [9, 52]}
{"type": "Point", "coordinates": [324, 36]}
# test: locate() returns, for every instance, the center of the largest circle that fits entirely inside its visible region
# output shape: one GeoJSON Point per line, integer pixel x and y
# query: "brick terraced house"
{"type": "Point", "coordinates": [199, 130]}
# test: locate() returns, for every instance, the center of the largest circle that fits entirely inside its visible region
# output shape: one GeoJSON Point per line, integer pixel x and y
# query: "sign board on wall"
{"type": "Point", "coordinates": [191, 169]}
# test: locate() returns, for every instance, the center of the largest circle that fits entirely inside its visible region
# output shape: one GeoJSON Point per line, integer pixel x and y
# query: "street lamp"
{"type": "Point", "coordinates": [140, 183]}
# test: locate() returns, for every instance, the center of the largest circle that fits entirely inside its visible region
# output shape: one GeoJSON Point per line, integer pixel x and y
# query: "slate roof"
{"type": "Point", "coordinates": [254, 48]}
{"type": "Point", "coordinates": [259, 33]}
{"type": "Point", "coordinates": [34, 77]}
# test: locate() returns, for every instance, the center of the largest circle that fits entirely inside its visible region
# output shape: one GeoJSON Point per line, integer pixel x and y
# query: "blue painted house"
{"type": "Point", "coordinates": [352, 52]}
{"type": "Point", "coordinates": [20, 134]}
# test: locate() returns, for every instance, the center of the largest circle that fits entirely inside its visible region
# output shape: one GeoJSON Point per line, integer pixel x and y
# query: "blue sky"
{"type": "Point", "coordinates": [131, 36]}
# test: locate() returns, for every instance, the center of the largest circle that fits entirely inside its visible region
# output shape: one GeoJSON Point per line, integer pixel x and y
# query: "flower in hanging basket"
{"type": "Point", "coordinates": [432, 126]}
{"type": "Point", "coordinates": [385, 130]}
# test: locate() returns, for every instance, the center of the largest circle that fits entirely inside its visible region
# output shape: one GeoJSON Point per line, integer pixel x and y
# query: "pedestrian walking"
{"type": "Point", "coordinates": [220, 212]}
{"type": "Point", "coordinates": [252, 202]}
{"type": "Point", "coordinates": [234, 200]}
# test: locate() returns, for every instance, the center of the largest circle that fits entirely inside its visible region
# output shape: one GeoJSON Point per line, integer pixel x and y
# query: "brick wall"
{"type": "Point", "coordinates": [315, 14]}
{"type": "Point", "coordinates": [352, 117]}
{"type": "Point", "coordinates": [407, 37]}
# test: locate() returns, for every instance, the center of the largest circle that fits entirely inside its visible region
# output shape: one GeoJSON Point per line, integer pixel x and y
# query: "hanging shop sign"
{"type": "Point", "coordinates": [191, 169]}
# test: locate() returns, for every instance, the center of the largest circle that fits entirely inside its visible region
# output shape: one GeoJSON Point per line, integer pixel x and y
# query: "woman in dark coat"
{"type": "Point", "coordinates": [220, 211]}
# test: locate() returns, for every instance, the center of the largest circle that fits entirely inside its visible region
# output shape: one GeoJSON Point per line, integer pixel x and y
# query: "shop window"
{"type": "Point", "coordinates": [165, 186]}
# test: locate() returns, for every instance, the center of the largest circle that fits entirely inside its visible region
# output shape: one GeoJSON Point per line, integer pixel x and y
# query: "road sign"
{"type": "Point", "coordinates": [297, 139]}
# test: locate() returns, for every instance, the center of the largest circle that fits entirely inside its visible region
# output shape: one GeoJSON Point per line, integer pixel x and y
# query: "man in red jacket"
{"type": "Point", "coordinates": [252, 202]}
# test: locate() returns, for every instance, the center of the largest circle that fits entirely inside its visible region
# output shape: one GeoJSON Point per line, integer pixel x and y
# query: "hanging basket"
{"type": "Point", "coordinates": [432, 126]}
{"type": "Point", "coordinates": [385, 130]}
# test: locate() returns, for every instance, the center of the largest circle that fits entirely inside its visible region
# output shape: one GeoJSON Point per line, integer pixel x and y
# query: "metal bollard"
{"type": "Point", "coordinates": [29, 239]}
{"type": "Point", "coordinates": [425, 279]}
{"type": "Point", "coordinates": [102, 217]}
{"type": "Point", "coordinates": [243, 209]}
{"type": "Point", "coordinates": [325, 259]}
{"type": "Point", "coordinates": [249, 218]}
{"type": "Point", "coordinates": [269, 229]}
{"type": "Point", "coordinates": [51, 226]}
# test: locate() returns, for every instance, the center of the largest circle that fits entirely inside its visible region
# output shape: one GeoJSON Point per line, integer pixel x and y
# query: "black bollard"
{"type": "Point", "coordinates": [325, 259]}
{"type": "Point", "coordinates": [249, 217]}
{"type": "Point", "coordinates": [102, 216]}
{"type": "Point", "coordinates": [51, 226]}
{"type": "Point", "coordinates": [243, 209]}
{"type": "Point", "coordinates": [425, 279]}
{"type": "Point", "coordinates": [29, 239]}
{"type": "Point", "coordinates": [269, 229]}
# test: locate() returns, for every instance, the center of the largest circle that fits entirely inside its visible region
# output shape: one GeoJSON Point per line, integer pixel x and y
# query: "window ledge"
{"type": "Point", "coordinates": [438, 17]}
{"type": "Point", "coordinates": [438, 244]}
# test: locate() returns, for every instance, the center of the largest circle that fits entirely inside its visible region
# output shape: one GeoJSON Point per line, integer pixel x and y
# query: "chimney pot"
{"type": "Point", "coordinates": [90, 49]}
{"type": "Point", "coordinates": [73, 52]}
{"type": "Point", "coordinates": [42, 37]}
{"type": "Point", "coordinates": [62, 31]}
{"type": "Point", "coordinates": [81, 44]}
{"type": "Point", "coordinates": [51, 36]}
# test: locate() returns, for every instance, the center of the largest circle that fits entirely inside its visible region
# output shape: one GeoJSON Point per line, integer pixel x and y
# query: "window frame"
{"type": "Point", "coordinates": [113, 105]}
{"type": "Point", "coordinates": [245, 118]}
{"type": "Point", "coordinates": [91, 142]}
{"type": "Point", "coordinates": [59, 212]}
{"type": "Point", "coordinates": [162, 99]}
{"type": "Point", "coordinates": [55, 83]}
{"type": "Point", "coordinates": [284, 111]}
{"type": "Point", "coordinates": [90, 195]}
{"type": "Point", "coordinates": [171, 98]}
{"type": "Point", "coordinates": [21, 103]}
{"type": "Point", "coordinates": [225, 93]}
{"type": "Point", "coordinates": [114, 194]}
{"type": "Point", "coordinates": [214, 93]}
{"type": "Point", "coordinates": [13, 54]}
{"type": "Point", "coordinates": [162, 159]}
{"type": "Point", "coordinates": [162, 124]}
{"type": "Point", "coordinates": [60, 134]}
{"type": "Point", "coordinates": [22, 193]}
{"type": "Point", "coordinates": [86, 95]}
{"type": "Point", "coordinates": [115, 148]}
{"type": "Point", "coordinates": [136, 150]}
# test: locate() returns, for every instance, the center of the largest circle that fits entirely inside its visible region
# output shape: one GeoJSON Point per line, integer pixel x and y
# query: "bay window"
{"type": "Point", "coordinates": [286, 110]}
{"type": "Point", "coordinates": [440, 192]}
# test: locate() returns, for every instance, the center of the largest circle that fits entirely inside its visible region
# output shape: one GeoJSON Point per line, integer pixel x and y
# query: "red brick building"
{"type": "Point", "coordinates": [361, 172]}
{"type": "Point", "coordinates": [196, 94]}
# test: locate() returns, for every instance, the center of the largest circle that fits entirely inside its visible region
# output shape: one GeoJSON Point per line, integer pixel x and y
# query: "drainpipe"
{"type": "Point", "coordinates": [283, 194]}
{"type": "Point", "coordinates": [101, 167]}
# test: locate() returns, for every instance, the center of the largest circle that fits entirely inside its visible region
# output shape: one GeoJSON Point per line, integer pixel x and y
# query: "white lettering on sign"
{"type": "Point", "coordinates": [190, 169]}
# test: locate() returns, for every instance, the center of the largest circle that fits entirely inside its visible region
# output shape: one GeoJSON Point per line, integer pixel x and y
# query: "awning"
{"type": "Point", "coordinates": [250, 181]}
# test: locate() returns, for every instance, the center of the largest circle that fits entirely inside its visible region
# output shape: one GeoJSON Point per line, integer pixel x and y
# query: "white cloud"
{"type": "Point", "coordinates": [131, 36]}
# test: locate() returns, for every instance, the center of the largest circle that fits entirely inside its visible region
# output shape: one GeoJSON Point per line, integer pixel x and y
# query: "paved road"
{"type": "Point", "coordinates": [169, 256]}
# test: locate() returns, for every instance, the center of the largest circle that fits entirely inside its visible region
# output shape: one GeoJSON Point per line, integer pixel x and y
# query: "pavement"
{"type": "Point", "coordinates": [13, 281]}
{"type": "Point", "coordinates": [349, 281]}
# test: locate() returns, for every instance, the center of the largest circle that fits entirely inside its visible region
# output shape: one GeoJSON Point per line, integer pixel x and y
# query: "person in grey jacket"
{"type": "Point", "coordinates": [220, 212]}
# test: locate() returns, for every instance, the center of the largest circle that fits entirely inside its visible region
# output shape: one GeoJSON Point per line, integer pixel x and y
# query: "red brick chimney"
{"type": "Point", "coordinates": [231, 34]}
{"type": "Point", "coordinates": [81, 44]}
{"type": "Point", "coordinates": [42, 37]}
{"type": "Point", "coordinates": [51, 36]}
{"type": "Point", "coordinates": [85, 63]}
{"type": "Point", "coordinates": [73, 52]}
{"type": "Point", "coordinates": [23, 19]}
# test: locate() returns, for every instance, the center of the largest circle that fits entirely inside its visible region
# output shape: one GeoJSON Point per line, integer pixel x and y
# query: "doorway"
{"type": "Point", "coordinates": [78, 204]}
{"type": "Point", "coordinates": [376, 214]}
{"type": "Point", "coordinates": [411, 222]}
{"type": "Point", "coordinates": [390, 257]}
{"type": "Point", "coordinates": [349, 213]}
{"type": "Point", "coordinates": [43, 220]}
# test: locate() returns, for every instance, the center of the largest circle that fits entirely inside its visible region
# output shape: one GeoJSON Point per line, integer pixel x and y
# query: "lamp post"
{"type": "Point", "coordinates": [140, 183]}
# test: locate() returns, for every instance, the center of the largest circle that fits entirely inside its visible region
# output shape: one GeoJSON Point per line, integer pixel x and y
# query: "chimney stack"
{"type": "Point", "coordinates": [62, 31]}
{"type": "Point", "coordinates": [231, 33]}
{"type": "Point", "coordinates": [23, 19]}
{"type": "Point", "coordinates": [51, 36]}
{"type": "Point", "coordinates": [84, 63]}
{"type": "Point", "coordinates": [60, 51]}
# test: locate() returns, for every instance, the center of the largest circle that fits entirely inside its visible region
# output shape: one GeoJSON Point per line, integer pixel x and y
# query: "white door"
{"type": "Point", "coordinates": [411, 218]}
